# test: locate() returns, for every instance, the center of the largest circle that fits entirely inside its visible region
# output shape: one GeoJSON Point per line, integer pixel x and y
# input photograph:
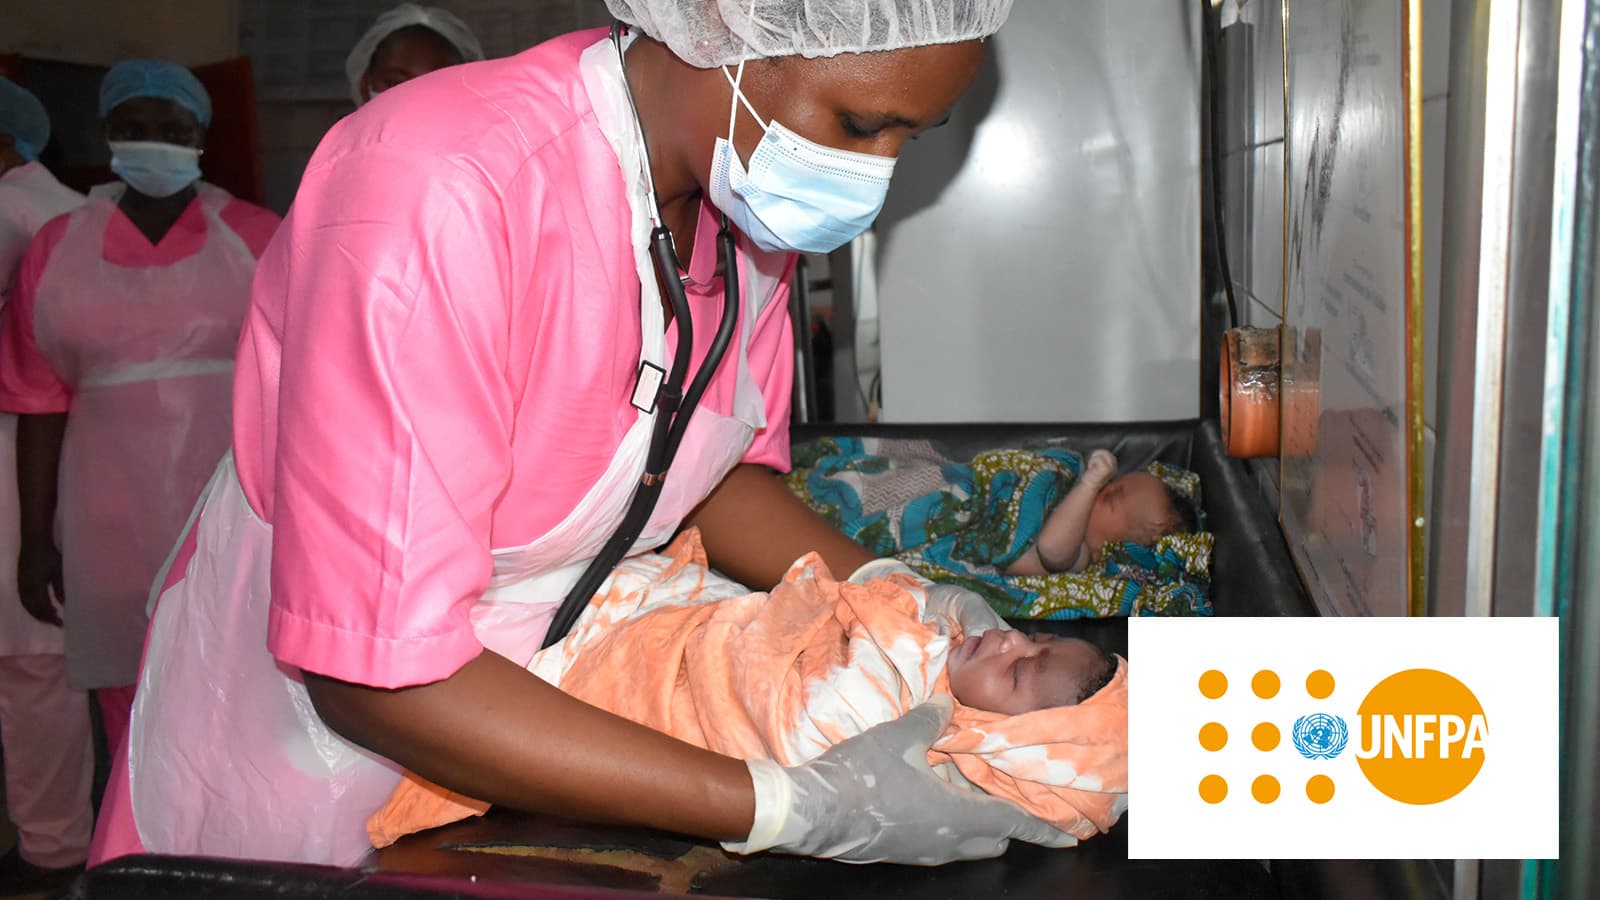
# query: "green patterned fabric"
{"type": "Point", "coordinates": [964, 522]}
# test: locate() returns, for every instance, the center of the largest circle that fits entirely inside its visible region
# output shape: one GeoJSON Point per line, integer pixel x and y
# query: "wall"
{"type": "Point", "coordinates": [1253, 157]}
{"type": "Point", "coordinates": [299, 49]}
{"type": "Point", "coordinates": [1040, 254]}
{"type": "Point", "coordinates": [96, 32]}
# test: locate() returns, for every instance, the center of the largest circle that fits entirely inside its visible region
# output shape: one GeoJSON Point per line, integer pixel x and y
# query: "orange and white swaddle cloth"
{"type": "Point", "coordinates": [672, 645]}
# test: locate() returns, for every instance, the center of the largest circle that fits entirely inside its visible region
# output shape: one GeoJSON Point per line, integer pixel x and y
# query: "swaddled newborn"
{"type": "Point", "coordinates": [1009, 672]}
{"type": "Point", "coordinates": [1102, 508]}
{"type": "Point", "coordinates": [1041, 722]}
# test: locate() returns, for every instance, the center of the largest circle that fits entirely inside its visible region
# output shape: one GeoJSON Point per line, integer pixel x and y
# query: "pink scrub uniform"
{"type": "Point", "coordinates": [29, 197]}
{"type": "Point", "coordinates": [44, 721]}
{"type": "Point", "coordinates": [433, 434]}
{"type": "Point", "coordinates": [135, 342]}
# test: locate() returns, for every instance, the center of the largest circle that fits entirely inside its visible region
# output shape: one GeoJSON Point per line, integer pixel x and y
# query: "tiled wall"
{"type": "Point", "coordinates": [293, 123]}
{"type": "Point", "coordinates": [1251, 78]}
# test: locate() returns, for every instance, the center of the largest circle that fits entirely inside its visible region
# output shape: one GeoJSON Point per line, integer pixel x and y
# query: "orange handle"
{"type": "Point", "coordinates": [1250, 386]}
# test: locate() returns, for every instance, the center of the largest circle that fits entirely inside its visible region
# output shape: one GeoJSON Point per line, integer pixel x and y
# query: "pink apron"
{"type": "Point", "coordinates": [273, 782]}
{"type": "Point", "coordinates": [148, 353]}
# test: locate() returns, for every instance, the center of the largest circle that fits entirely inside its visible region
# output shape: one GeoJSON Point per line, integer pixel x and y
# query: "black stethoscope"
{"type": "Point", "coordinates": [673, 405]}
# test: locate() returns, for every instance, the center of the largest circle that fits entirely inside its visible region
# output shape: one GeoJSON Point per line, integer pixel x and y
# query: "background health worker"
{"type": "Point", "coordinates": [405, 42]}
{"type": "Point", "coordinates": [44, 720]}
{"type": "Point", "coordinates": [117, 352]}
{"type": "Point", "coordinates": [434, 432]}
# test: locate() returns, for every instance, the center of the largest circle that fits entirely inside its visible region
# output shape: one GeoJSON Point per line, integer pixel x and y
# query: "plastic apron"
{"type": "Point", "coordinates": [29, 197]}
{"type": "Point", "coordinates": [148, 353]}
{"type": "Point", "coordinates": [227, 756]}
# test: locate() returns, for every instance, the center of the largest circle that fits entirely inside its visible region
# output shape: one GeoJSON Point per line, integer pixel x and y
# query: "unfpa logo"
{"type": "Point", "coordinates": [1421, 736]}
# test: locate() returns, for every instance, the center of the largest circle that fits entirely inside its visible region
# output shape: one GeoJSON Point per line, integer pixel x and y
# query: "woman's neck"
{"type": "Point", "coordinates": [155, 216]}
{"type": "Point", "coordinates": [650, 71]}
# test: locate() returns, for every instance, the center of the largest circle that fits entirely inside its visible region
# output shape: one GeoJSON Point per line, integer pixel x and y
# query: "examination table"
{"type": "Point", "coordinates": [508, 854]}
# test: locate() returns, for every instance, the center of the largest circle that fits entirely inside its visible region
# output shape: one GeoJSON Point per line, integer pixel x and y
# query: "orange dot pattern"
{"type": "Point", "coordinates": [1319, 684]}
{"type": "Point", "coordinates": [1265, 684]}
{"type": "Point", "coordinates": [1265, 737]}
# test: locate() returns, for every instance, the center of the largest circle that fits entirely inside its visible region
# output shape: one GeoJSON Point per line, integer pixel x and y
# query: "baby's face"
{"type": "Point", "coordinates": [1133, 508]}
{"type": "Point", "coordinates": [1009, 672]}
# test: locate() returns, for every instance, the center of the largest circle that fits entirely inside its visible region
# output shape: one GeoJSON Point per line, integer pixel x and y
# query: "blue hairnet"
{"type": "Point", "coordinates": [157, 78]}
{"type": "Point", "coordinates": [23, 117]}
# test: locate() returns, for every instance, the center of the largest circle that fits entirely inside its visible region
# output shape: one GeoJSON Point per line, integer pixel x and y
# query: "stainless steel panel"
{"type": "Point", "coordinates": [1265, 259]}
{"type": "Point", "coordinates": [1040, 254]}
{"type": "Point", "coordinates": [1269, 71]}
{"type": "Point", "coordinates": [1236, 59]}
{"type": "Point", "coordinates": [1237, 180]}
{"type": "Point", "coordinates": [1434, 137]}
{"type": "Point", "coordinates": [1346, 504]}
{"type": "Point", "coordinates": [1495, 275]}
{"type": "Point", "coordinates": [1458, 306]}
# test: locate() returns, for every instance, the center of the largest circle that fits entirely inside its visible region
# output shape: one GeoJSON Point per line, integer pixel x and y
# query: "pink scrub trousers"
{"type": "Point", "coordinates": [49, 759]}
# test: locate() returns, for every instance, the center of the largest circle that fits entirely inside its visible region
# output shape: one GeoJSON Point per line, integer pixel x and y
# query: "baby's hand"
{"type": "Point", "coordinates": [1100, 469]}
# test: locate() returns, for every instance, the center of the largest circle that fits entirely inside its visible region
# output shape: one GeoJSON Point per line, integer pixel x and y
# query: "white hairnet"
{"type": "Point", "coordinates": [709, 33]}
{"type": "Point", "coordinates": [445, 24]}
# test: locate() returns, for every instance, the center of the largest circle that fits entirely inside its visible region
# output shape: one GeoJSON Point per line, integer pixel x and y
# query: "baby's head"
{"type": "Point", "coordinates": [1012, 673]}
{"type": "Point", "coordinates": [1138, 508]}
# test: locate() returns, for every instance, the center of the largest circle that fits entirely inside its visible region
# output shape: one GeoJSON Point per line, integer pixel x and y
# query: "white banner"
{"type": "Point", "coordinates": [1342, 738]}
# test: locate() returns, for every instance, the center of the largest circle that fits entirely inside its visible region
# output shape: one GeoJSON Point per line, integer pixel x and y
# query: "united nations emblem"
{"type": "Point", "coordinates": [1320, 736]}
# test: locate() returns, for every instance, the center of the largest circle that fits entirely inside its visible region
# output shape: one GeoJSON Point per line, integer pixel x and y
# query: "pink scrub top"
{"type": "Point", "coordinates": [440, 357]}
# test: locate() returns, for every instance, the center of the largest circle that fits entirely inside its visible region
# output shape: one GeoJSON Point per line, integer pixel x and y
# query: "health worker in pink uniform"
{"type": "Point", "coordinates": [117, 355]}
{"type": "Point", "coordinates": [449, 387]}
{"type": "Point", "coordinates": [44, 720]}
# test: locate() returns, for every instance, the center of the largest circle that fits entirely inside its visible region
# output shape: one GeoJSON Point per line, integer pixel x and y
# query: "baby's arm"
{"type": "Point", "coordinates": [1060, 547]}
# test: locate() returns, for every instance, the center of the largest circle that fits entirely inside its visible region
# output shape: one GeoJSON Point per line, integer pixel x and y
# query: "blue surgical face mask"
{"type": "Point", "coordinates": [796, 196]}
{"type": "Point", "coordinates": [155, 169]}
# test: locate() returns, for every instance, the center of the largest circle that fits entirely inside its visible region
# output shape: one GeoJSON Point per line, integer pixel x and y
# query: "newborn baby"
{"type": "Point", "coordinates": [785, 675]}
{"type": "Point", "coordinates": [1009, 672]}
{"type": "Point", "coordinates": [1136, 508]}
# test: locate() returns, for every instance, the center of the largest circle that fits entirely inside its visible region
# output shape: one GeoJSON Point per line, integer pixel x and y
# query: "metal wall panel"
{"type": "Point", "coordinates": [1346, 506]}
{"type": "Point", "coordinates": [1040, 254]}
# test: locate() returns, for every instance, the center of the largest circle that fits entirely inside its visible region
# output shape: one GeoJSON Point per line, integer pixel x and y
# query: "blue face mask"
{"type": "Point", "coordinates": [797, 196]}
{"type": "Point", "coordinates": [155, 169]}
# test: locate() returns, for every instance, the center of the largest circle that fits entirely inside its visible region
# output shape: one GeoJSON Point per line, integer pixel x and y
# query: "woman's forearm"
{"type": "Point", "coordinates": [754, 528]}
{"type": "Point", "coordinates": [496, 732]}
{"type": "Point", "coordinates": [39, 440]}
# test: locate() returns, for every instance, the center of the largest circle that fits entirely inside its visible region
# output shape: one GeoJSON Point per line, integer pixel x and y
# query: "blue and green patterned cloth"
{"type": "Point", "coordinates": [964, 522]}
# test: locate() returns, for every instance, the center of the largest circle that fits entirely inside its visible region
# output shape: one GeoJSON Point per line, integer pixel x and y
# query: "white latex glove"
{"type": "Point", "coordinates": [1101, 468]}
{"type": "Point", "coordinates": [968, 609]}
{"type": "Point", "coordinates": [873, 798]}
